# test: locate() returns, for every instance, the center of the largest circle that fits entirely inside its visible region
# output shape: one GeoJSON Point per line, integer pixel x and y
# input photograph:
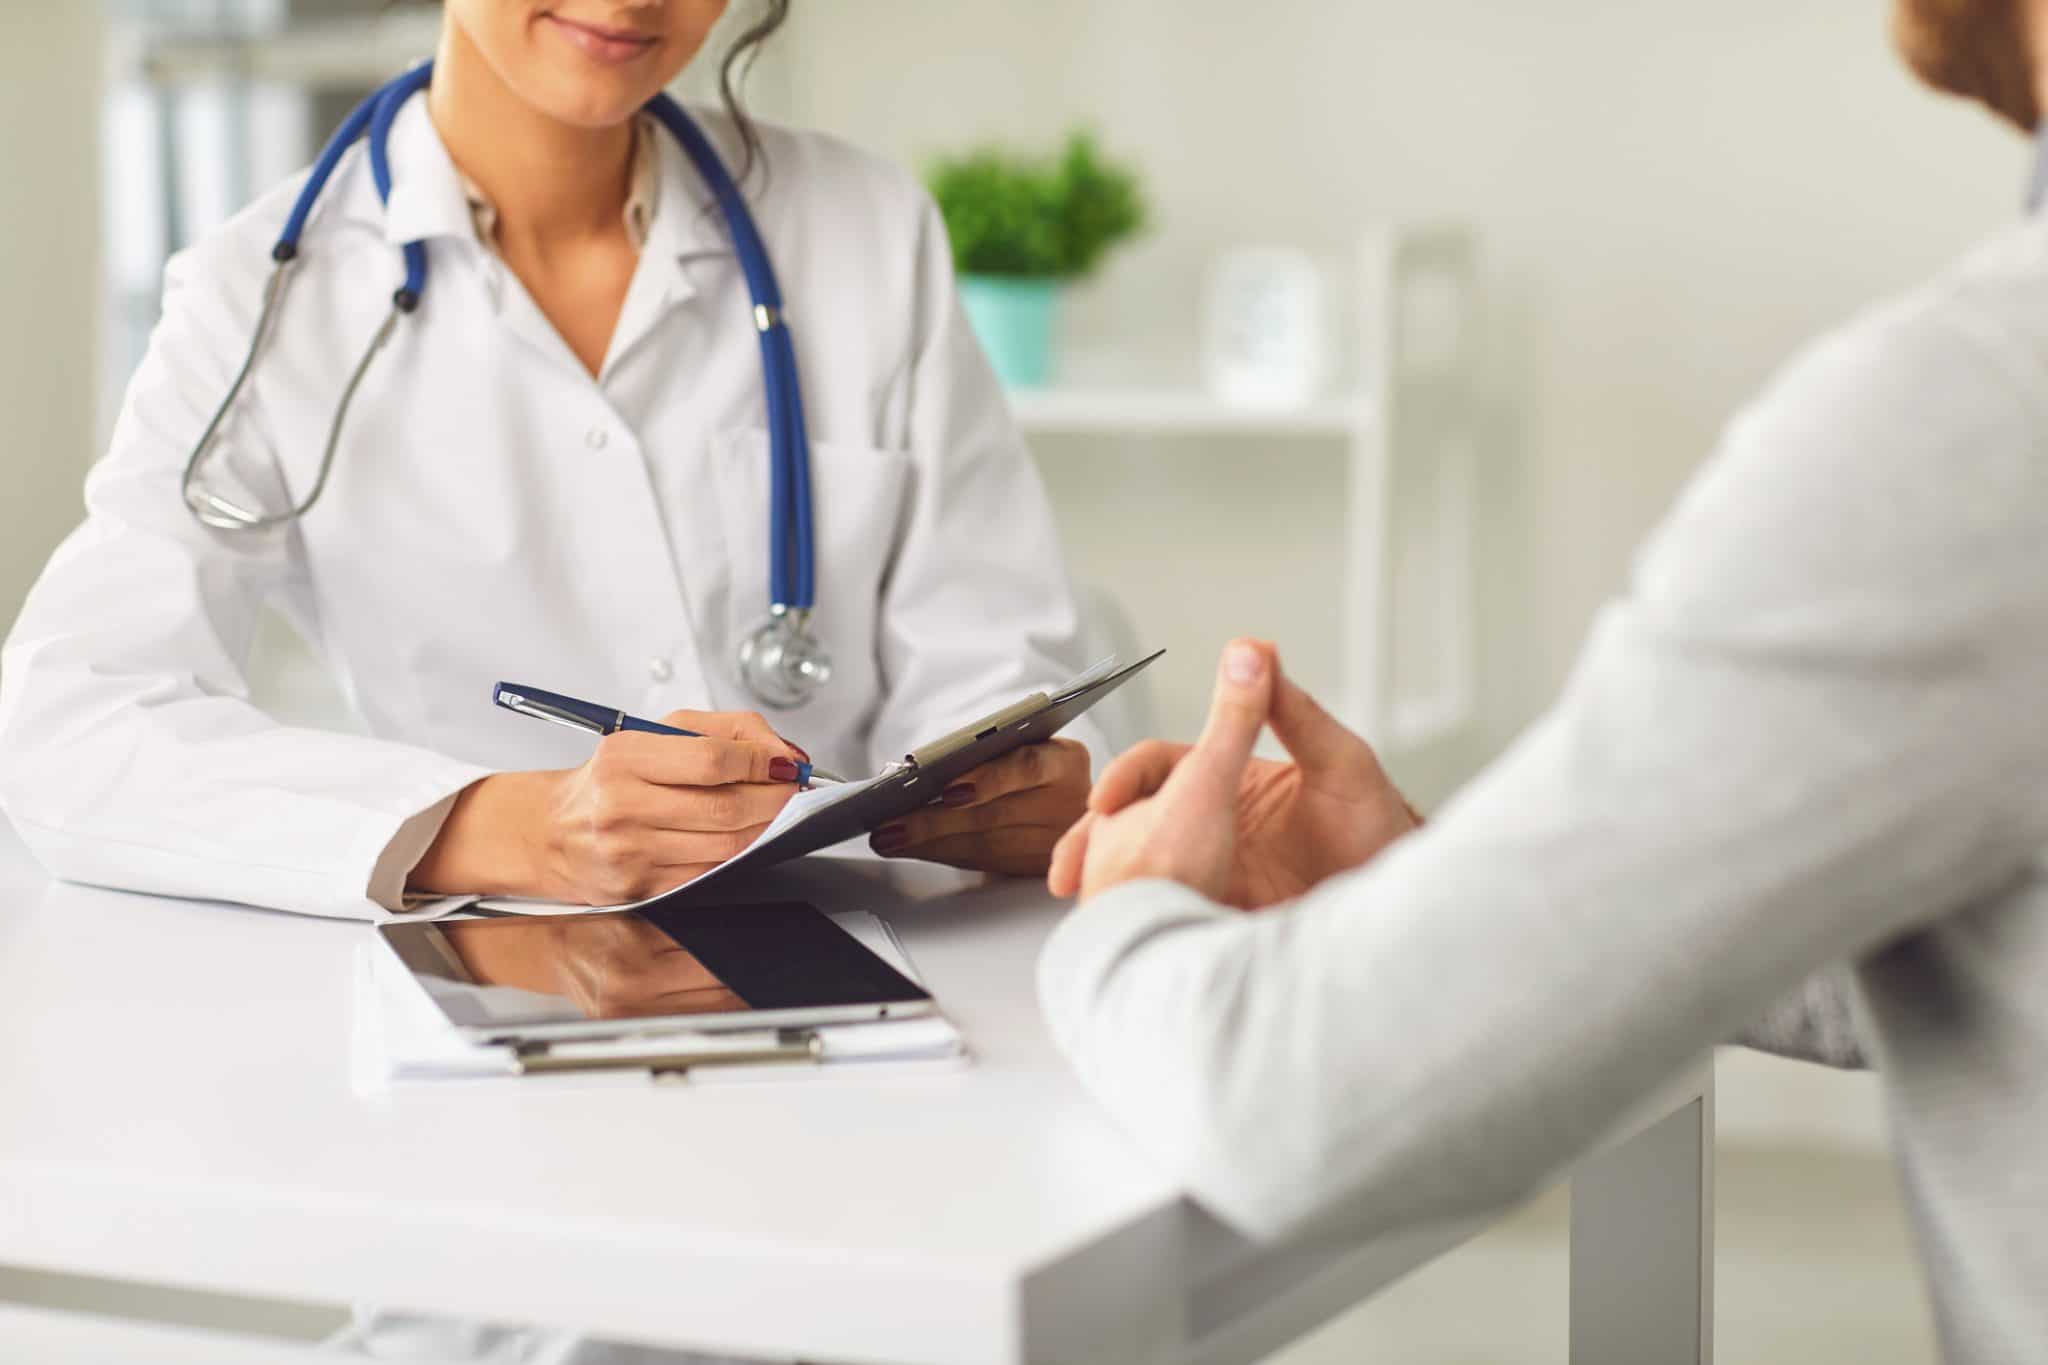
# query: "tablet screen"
{"type": "Point", "coordinates": [781, 960]}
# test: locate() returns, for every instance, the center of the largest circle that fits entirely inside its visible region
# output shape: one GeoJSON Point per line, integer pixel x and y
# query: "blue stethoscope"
{"type": "Point", "coordinates": [781, 663]}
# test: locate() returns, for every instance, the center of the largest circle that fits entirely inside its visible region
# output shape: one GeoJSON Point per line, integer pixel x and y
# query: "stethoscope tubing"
{"type": "Point", "coordinates": [352, 128]}
{"type": "Point", "coordinates": [388, 103]}
{"type": "Point", "coordinates": [366, 119]}
{"type": "Point", "coordinates": [792, 567]}
{"type": "Point", "coordinates": [792, 582]}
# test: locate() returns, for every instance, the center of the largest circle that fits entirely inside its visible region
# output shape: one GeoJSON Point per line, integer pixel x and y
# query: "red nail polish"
{"type": "Point", "coordinates": [889, 838]}
{"type": "Point", "coordinates": [959, 794]}
{"type": "Point", "coordinates": [782, 769]}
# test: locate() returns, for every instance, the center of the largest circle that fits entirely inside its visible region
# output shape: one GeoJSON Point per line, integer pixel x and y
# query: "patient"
{"type": "Point", "coordinates": [1812, 738]}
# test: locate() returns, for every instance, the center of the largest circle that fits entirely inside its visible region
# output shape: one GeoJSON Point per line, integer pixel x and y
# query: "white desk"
{"type": "Point", "coordinates": [209, 1139]}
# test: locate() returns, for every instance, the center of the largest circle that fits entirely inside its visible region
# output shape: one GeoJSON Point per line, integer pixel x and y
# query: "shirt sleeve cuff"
{"type": "Point", "coordinates": [402, 850]}
{"type": "Point", "coordinates": [1087, 946]}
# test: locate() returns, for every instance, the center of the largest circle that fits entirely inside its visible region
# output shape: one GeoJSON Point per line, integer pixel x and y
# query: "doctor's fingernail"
{"type": "Point", "coordinates": [959, 794]}
{"type": "Point", "coordinates": [889, 839]}
{"type": "Point", "coordinates": [782, 770]}
{"type": "Point", "coordinates": [1243, 665]}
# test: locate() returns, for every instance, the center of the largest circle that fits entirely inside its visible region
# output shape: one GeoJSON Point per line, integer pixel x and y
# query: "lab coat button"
{"type": "Point", "coordinates": [660, 670]}
{"type": "Point", "coordinates": [594, 438]}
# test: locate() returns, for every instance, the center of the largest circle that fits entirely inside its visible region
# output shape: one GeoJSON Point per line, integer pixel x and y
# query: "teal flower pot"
{"type": "Point", "coordinates": [1013, 317]}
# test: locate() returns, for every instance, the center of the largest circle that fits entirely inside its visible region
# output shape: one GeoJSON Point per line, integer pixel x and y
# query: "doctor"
{"type": "Point", "coordinates": [556, 468]}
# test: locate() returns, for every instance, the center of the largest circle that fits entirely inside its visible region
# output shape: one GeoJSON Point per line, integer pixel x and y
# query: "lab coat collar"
{"type": "Point", "coordinates": [427, 201]}
{"type": "Point", "coordinates": [427, 198]}
{"type": "Point", "coordinates": [426, 190]}
{"type": "Point", "coordinates": [687, 223]}
{"type": "Point", "coordinates": [687, 232]}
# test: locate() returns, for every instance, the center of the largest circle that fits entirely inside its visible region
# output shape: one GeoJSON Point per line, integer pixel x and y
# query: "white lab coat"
{"type": "Point", "coordinates": [496, 513]}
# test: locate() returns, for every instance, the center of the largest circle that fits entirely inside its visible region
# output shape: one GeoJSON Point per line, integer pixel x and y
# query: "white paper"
{"type": "Point", "coordinates": [1087, 677]}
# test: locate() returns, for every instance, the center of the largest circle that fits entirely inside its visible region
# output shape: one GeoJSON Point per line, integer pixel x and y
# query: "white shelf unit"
{"type": "Point", "coordinates": [352, 53]}
{"type": "Point", "coordinates": [1407, 422]}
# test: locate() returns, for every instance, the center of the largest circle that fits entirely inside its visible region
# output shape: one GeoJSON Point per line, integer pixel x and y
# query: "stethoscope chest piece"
{"type": "Point", "coordinates": [781, 662]}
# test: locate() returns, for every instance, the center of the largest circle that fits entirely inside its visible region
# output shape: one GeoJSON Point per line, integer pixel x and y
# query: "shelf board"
{"type": "Point", "coordinates": [330, 54]}
{"type": "Point", "coordinates": [1182, 411]}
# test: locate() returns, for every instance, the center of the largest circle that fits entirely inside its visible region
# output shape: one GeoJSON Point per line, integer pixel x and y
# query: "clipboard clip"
{"type": "Point", "coordinates": [947, 745]}
{"type": "Point", "coordinates": [975, 731]}
{"type": "Point", "coordinates": [675, 1054]}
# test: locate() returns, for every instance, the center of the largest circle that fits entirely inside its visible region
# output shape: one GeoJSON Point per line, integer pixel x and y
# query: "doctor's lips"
{"type": "Point", "coordinates": [605, 43]}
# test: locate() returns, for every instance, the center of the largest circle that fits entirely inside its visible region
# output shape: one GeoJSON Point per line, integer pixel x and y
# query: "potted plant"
{"type": "Point", "coordinates": [1021, 228]}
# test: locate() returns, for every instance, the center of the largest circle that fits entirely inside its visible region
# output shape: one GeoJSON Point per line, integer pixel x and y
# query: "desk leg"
{"type": "Point", "coordinates": [1642, 1256]}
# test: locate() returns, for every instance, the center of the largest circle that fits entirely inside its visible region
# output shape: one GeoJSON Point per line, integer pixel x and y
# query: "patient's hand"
{"type": "Point", "coordinates": [1004, 816]}
{"type": "Point", "coordinates": [1243, 831]}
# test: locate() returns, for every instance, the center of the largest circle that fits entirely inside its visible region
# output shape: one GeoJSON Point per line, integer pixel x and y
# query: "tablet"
{"type": "Point", "coordinates": [657, 969]}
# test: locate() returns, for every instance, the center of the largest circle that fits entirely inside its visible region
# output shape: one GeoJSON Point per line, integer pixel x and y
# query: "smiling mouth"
{"type": "Point", "coordinates": [605, 44]}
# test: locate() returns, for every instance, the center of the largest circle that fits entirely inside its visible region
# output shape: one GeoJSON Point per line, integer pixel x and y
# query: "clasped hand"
{"type": "Point", "coordinates": [1242, 831]}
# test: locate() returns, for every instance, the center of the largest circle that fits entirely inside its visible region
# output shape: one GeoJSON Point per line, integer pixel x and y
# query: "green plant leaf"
{"type": "Point", "coordinates": [1017, 216]}
{"type": "Point", "coordinates": [1100, 205]}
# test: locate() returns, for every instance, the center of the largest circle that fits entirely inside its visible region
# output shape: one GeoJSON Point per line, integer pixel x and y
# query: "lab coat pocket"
{"type": "Point", "coordinates": [859, 496]}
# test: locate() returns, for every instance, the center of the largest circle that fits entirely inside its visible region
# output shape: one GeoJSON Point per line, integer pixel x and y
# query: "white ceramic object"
{"type": "Point", "coordinates": [1266, 333]}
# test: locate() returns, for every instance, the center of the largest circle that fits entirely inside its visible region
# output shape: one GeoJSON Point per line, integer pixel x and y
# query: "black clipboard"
{"type": "Point", "coordinates": [916, 780]}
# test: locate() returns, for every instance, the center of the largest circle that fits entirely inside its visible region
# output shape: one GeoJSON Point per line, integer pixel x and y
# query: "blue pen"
{"type": "Point", "coordinates": [593, 719]}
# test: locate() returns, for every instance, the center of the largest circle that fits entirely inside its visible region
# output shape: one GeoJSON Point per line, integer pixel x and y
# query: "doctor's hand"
{"type": "Point", "coordinates": [645, 813]}
{"type": "Point", "coordinates": [1243, 831]}
{"type": "Point", "coordinates": [1004, 816]}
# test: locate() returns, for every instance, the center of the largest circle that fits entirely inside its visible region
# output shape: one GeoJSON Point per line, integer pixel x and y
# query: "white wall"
{"type": "Point", "coordinates": [1670, 197]}
{"type": "Point", "coordinates": [49, 280]}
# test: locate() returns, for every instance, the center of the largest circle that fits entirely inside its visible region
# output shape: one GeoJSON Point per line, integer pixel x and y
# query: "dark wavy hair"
{"type": "Point", "coordinates": [732, 73]}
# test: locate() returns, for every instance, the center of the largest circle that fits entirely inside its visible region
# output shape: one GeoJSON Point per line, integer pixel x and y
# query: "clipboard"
{"type": "Point", "coordinates": [916, 780]}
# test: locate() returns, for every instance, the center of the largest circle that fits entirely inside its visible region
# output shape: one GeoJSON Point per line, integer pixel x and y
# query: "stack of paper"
{"type": "Point", "coordinates": [401, 1038]}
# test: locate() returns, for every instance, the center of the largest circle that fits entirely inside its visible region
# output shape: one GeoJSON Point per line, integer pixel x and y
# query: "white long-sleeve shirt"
{"type": "Point", "coordinates": [1814, 731]}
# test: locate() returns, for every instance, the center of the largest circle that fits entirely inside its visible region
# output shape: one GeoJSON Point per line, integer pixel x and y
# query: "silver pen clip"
{"type": "Point", "coordinates": [554, 715]}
